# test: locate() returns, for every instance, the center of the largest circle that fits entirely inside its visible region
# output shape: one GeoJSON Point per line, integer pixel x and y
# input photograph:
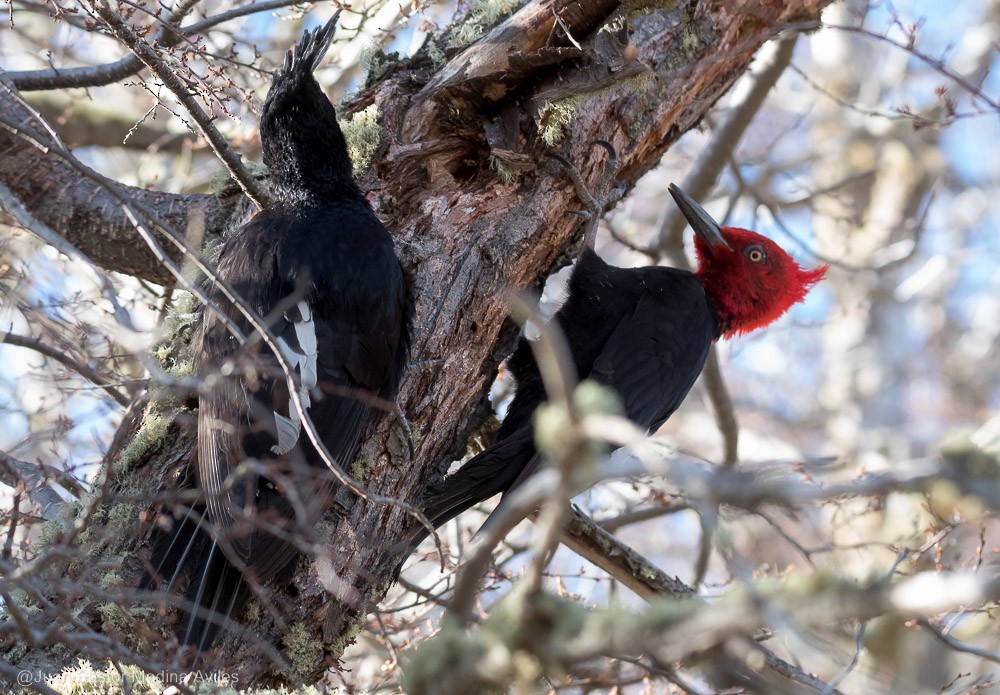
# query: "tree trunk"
{"type": "Point", "coordinates": [466, 237]}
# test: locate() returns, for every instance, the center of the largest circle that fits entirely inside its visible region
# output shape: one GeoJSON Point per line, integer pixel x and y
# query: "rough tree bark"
{"type": "Point", "coordinates": [647, 72]}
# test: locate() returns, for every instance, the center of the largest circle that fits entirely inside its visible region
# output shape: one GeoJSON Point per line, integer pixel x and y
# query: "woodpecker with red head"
{"type": "Point", "coordinates": [644, 332]}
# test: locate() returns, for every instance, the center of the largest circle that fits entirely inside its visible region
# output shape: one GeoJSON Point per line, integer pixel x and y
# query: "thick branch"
{"type": "Point", "coordinates": [78, 208]}
{"type": "Point", "coordinates": [588, 540]}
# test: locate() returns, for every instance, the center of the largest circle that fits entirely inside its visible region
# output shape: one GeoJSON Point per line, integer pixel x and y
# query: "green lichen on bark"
{"type": "Point", "coordinates": [347, 636]}
{"type": "Point", "coordinates": [363, 134]}
{"type": "Point", "coordinates": [302, 649]}
{"type": "Point", "coordinates": [506, 174]}
{"type": "Point", "coordinates": [483, 16]}
{"type": "Point", "coordinates": [559, 113]}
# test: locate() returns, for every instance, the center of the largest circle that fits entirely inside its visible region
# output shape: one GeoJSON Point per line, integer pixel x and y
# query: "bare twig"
{"type": "Point", "coordinates": [635, 516]}
{"type": "Point", "coordinates": [722, 407]}
{"type": "Point", "coordinates": [936, 63]}
{"type": "Point", "coordinates": [957, 645]}
{"type": "Point", "coordinates": [84, 370]}
{"type": "Point", "coordinates": [14, 471]}
{"type": "Point", "coordinates": [15, 518]}
{"type": "Point", "coordinates": [522, 502]}
{"type": "Point", "coordinates": [16, 674]}
{"type": "Point", "coordinates": [793, 673]}
{"type": "Point", "coordinates": [127, 35]}
{"type": "Point", "coordinates": [554, 485]}
{"type": "Point", "coordinates": [556, 366]}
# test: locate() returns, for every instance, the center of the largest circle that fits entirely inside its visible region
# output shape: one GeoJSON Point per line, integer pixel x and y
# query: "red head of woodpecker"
{"type": "Point", "coordinates": [750, 280]}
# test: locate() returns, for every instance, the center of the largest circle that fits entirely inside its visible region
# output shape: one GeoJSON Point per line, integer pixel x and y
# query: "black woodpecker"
{"type": "Point", "coordinates": [320, 269]}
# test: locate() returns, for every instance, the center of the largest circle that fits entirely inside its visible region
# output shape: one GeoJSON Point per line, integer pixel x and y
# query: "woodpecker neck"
{"type": "Point", "coordinates": [303, 146]}
{"type": "Point", "coordinates": [741, 305]}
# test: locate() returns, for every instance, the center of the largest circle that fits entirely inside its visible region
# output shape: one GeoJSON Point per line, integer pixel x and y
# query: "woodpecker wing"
{"type": "Point", "coordinates": [657, 352]}
{"type": "Point", "coordinates": [224, 420]}
{"type": "Point", "coordinates": [651, 360]}
{"type": "Point", "coordinates": [341, 335]}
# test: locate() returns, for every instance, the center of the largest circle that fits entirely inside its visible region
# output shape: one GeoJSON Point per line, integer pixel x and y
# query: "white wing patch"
{"type": "Point", "coordinates": [303, 361]}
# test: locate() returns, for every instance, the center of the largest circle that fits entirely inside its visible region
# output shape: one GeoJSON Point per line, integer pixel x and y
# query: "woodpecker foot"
{"type": "Point", "coordinates": [596, 204]}
{"type": "Point", "coordinates": [404, 424]}
{"type": "Point", "coordinates": [423, 364]}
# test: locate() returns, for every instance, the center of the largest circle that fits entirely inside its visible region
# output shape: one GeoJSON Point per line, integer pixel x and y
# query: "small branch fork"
{"type": "Point", "coordinates": [127, 35]}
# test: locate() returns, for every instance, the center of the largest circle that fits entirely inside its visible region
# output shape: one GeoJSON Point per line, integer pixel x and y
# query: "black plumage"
{"type": "Point", "coordinates": [321, 270]}
{"type": "Point", "coordinates": [644, 332]}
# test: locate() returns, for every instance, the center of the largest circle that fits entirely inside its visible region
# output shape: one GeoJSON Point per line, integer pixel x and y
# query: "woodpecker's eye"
{"type": "Point", "coordinates": [755, 254]}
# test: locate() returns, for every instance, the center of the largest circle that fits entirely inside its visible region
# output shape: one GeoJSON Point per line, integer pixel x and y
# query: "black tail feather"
{"type": "Point", "coordinates": [189, 565]}
{"type": "Point", "coordinates": [311, 48]}
{"type": "Point", "coordinates": [491, 472]}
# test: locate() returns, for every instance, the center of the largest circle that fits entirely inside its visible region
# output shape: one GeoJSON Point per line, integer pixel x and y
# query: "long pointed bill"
{"type": "Point", "coordinates": [701, 222]}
